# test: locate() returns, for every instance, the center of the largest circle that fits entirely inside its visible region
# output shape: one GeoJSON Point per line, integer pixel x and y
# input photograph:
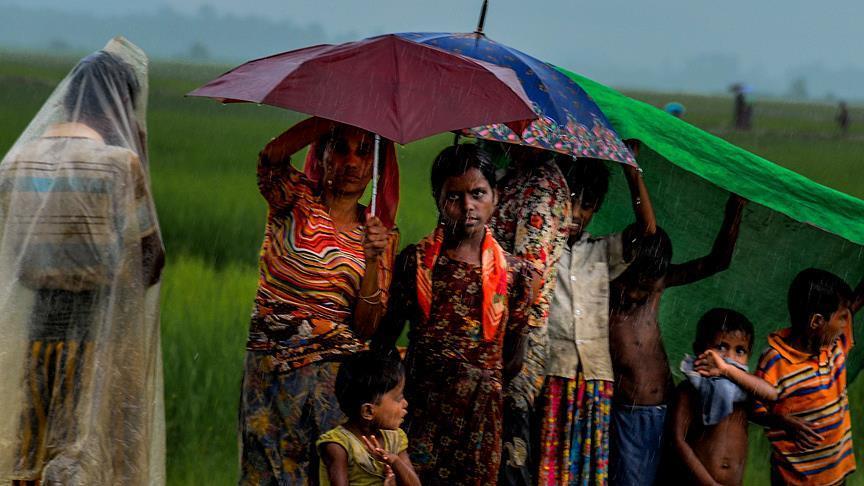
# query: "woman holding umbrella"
{"type": "Point", "coordinates": [325, 268]}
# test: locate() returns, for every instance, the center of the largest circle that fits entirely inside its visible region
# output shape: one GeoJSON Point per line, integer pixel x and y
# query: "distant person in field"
{"type": "Point", "coordinates": [743, 112]}
{"type": "Point", "coordinates": [531, 223]}
{"type": "Point", "coordinates": [711, 406]}
{"type": "Point", "coordinates": [467, 301]}
{"type": "Point", "coordinates": [325, 270]}
{"type": "Point", "coordinates": [641, 368]}
{"type": "Point", "coordinates": [80, 261]}
{"type": "Point", "coordinates": [574, 404]}
{"type": "Point", "coordinates": [369, 449]}
{"type": "Point", "coordinates": [809, 425]}
{"type": "Point", "coordinates": [843, 117]}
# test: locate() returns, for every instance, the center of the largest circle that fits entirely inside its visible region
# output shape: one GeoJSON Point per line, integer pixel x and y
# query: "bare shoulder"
{"type": "Point", "coordinates": [333, 452]}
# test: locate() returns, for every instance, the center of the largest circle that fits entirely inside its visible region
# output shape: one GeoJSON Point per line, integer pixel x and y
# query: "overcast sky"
{"type": "Point", "coordinates": [769, 35]}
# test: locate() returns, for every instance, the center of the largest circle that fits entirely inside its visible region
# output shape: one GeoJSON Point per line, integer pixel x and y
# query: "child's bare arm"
{"type": "Point", "coordinates": [336, 460]}
{"type": "Point", "coordinates": [681, 414]}
{"type": "Point", "coordinates": [801, 432]}
{"type": "Point", "coordinates": [280, 149]}
{"type": "Point", "coordinates": [399, 463]}
{"type": "Point", "coordinates": [639, 197]}
{"type": "Point", "coordinates": [710, 363]}
{"type": "Point", "coordinates": [402, 296]}
{"type": "Point", "coordinates": [721, 254]}
{"type": "Point", "coordinates": [404, 470]}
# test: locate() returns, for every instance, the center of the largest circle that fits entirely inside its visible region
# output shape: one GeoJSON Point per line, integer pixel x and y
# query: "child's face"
{"type": "Point", "coordinates": [391, 409]}
{"type": "Point", "coordinates": [837, 322]}
{"type": "Point", "coordinates": [733, 345]}
{"type": "Point", "coordinates": [466, 203]}
{"type": "Point", "coordinates": [582, 212]}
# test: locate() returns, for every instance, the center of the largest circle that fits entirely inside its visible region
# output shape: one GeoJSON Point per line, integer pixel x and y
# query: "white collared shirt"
{"type": "Point", "coordinates": [579, 314]}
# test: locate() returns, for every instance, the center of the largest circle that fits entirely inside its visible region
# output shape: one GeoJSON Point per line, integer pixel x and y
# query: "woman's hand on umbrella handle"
{"type": "Point", "coordinates": [375, 237]}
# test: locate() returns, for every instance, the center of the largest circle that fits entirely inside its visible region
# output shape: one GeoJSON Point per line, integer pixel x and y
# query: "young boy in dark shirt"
{"type": "Point", "coordinates": [641, 368]}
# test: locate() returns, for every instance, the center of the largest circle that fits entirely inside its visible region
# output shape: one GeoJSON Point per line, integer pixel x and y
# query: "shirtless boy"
{"type": "Point", "coordinates": [709, 416]}
{"type": "Point", "coordinates": [642, 377]}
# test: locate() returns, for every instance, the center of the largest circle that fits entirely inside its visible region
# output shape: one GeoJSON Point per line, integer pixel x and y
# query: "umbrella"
{"type": "Point", "coordinates": [675, 109]}
{"type": "Point", "coordinates": [568, 121]}
{"type": "Point", "coordinates": [791, 224]}
{"type": "Point", "coordinates": [388, 85]}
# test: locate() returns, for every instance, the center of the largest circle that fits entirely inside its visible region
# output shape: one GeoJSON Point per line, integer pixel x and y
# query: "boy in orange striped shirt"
{"type": "Point", "coordinates": [809, 425]}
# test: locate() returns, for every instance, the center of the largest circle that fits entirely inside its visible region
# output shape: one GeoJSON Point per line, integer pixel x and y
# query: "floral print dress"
{"type": "Point", "coordinates": [454, 384]}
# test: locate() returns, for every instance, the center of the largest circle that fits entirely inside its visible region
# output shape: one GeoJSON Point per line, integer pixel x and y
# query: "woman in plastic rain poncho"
{"type": "Point", "coordinates": [80, 260]}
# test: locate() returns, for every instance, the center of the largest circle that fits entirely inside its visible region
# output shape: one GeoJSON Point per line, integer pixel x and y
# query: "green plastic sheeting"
{"type": "Point", "coordinates": [792, 223]}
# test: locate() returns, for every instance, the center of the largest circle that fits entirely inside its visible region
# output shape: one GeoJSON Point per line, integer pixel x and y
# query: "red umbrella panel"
{"type": "Point", "coordinates": [396, 88]}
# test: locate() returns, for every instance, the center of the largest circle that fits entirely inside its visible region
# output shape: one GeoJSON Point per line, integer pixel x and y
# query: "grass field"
{"type": "Point", "coordinates": [203, 178]}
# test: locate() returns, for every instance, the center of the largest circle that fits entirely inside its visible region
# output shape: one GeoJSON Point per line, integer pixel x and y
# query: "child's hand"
{"type": "Point", "coordinates": [802, 432]}
{"type": "Point", "coordinates": [710, 363]}
{"type": "Point", "coordinates": [378, 453]}
{"type": "Point", "coordinates": [389, 477]}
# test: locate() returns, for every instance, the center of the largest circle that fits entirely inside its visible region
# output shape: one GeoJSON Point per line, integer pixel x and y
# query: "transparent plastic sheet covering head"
{"type": "Point", "coordinates": [80, 253]}
{"type": "Point", "coordinates": [791, 224]}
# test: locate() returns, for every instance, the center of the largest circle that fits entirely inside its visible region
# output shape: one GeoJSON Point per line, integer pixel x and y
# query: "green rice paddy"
{"type": "Point", "coordinates": [202, 164]}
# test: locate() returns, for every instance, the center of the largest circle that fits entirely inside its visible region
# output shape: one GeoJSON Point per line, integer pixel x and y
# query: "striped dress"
{"type": "Point", "coordinates": [309, 275]}
{"type": "Point", "coordinates": [814, 390]}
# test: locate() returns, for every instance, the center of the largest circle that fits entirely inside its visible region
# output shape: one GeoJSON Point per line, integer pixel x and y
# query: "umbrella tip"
{"type": "Point", "coordinates": [482, 17]}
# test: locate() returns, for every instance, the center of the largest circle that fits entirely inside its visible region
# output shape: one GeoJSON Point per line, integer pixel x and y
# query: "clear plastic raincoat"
{"type": "Point", "coordinates": [80, 258]}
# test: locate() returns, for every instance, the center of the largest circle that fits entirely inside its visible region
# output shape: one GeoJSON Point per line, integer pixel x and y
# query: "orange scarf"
{"type": "Point", "coordinates": [495, 269]}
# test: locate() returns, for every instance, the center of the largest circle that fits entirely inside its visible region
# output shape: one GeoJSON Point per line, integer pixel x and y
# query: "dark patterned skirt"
{"type": "Point", "coordinates": [454, 422]}
{"type": "Point", "coordinates": [281, 417]}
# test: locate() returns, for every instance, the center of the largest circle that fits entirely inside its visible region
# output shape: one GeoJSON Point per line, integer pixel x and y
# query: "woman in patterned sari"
{"type": "Point", "coordinates": [465, 298]}
{"type": "Point", "coordinates": [325, 268]}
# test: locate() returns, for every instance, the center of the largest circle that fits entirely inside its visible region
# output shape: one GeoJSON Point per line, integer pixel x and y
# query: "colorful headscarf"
{"type": "Point", "coordinates": [387, 199]}
{"type": "Point", "coordinates": [494, 264]}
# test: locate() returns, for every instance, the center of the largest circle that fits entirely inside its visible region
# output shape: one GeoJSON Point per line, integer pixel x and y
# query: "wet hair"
{"type": "Point", "coordinates": [339, 130]}
{"type": "Point", "coordinates": [364, 378]}
{"type": "Point", "coordinates": [92, 80]}
{"type": "Point", "coordinates": [497, 151]}
{"type": "Point", "coordinates": [815, 291]}
{"type": "Point", "coordinates": [456, 160]}
{"type": "Point", "coordinates": [719, 320]}
{"type": "Point", "coordinates": [588, 178]}
{"type": "Point", "coordinates": [652, 254]}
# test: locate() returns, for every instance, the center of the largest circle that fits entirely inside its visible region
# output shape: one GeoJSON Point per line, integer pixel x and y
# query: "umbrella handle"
{"type": "Point", "coordinates": [375, 174]}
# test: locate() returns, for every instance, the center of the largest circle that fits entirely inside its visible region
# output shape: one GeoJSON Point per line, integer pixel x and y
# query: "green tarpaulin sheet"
{"type": "Point", "coordinates": [792, 223]}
